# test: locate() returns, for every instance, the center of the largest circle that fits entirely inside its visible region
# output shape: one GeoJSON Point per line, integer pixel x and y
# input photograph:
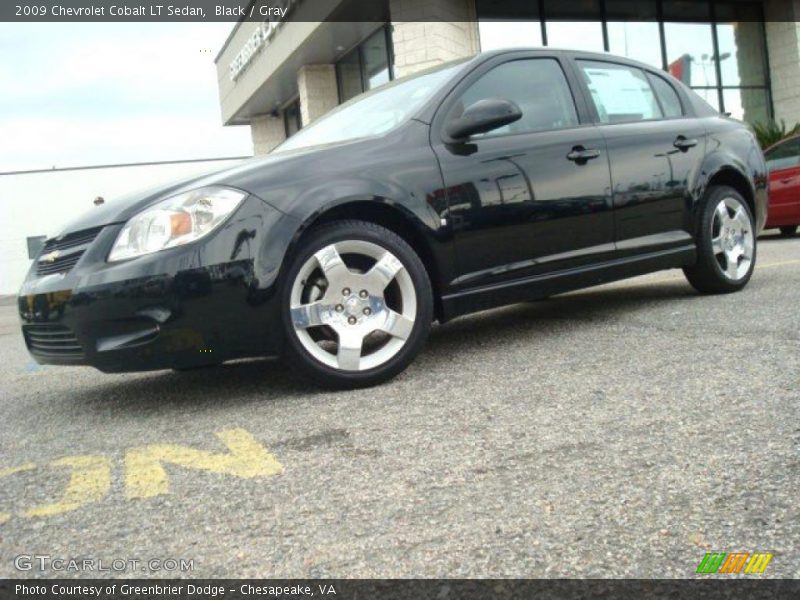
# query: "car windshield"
{"type": "Point", "coordinates": [373, 113]}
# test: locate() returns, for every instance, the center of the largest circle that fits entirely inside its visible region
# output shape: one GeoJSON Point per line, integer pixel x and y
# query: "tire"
{"type": "Point", "coordinates": [356, 305]}
{"type": "Point", "coordinates": [726, 243]}
{"type": "Point", "coordinates": [788, 231]}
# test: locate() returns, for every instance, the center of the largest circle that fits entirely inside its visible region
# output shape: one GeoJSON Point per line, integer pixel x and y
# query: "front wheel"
{"type": "Point", "coordinates": [356, 305]}
{"type": "Point", "coordinates": [788, 231]}
{"type": "Point", "coordinates": [726, 243]}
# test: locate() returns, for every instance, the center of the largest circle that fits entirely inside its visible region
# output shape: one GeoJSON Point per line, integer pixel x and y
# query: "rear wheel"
{"type": "Point", "coordinates": [356, 305]}
{"type": "Point", "coordinates": [726, 243]}
{"type": "Point", "coordinates": [789, 230]}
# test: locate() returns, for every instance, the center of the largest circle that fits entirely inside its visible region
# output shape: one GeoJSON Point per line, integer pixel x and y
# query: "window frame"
{"type": "Point", "coordinates": [590, 102]}
{"type": "Point", "coordinates": [440, 116]}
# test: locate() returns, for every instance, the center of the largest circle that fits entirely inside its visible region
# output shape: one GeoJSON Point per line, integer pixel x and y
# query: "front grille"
{"type": "Point", "coordinates": [52, 340]}
{"type": "Point", "coordinates": [59, 255]}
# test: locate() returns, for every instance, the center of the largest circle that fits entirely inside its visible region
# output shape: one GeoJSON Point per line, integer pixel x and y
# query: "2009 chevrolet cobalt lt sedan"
{"type": "Point", "coordinates": [510, 176]}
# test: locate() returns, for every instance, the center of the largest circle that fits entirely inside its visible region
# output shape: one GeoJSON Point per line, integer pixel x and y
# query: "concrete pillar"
{"type": "Point", "coordinates": [267, 132]}
{"type": "Point", "coordinates": [783, 46]}
{"type": "Point", "coordinates": [318, 93]}
{"type": "Point", "coordinates": [426, 33]}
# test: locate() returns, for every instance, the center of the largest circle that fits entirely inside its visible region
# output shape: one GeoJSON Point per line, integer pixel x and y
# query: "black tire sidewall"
{"type": "Point", "coordinates": [295, 354]}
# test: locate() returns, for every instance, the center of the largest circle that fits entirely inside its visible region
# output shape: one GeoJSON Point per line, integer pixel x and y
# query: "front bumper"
{"type": "Point", "coordinates": [203, 303]}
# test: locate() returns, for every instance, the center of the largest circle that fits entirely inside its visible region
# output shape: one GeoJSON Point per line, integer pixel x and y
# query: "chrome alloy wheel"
{"type": "Point", "coordinates": [732, 238]}
{"type": "Point", "coordinates": [353, 305]}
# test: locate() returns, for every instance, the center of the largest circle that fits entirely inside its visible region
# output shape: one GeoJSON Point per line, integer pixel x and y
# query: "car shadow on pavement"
{"type": "Point", "coordinates": [246, 382]}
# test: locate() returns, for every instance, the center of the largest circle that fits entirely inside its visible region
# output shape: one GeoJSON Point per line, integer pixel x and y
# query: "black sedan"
{"type": "Point", "coordinates": [511, 176]}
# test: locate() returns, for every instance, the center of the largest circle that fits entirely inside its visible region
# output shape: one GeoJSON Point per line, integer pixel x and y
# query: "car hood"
{"type": "Point", "coordinates": [244, 176]}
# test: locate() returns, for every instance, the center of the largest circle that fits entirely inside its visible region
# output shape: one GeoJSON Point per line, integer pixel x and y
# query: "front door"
{"type": "Point", "coordinates": [530, 197]}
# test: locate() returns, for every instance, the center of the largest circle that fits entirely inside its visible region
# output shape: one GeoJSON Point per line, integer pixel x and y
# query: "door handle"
{"type": "Point", "coordinates": [580, 155]}
{"type": "Point", "coordinates": [787, 180]}
{"type": "Point", "coordinates": [683, 144]}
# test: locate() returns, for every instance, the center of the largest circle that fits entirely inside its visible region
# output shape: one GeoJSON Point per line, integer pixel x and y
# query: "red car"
{"type": "Point", "coordinates": [783, 162]}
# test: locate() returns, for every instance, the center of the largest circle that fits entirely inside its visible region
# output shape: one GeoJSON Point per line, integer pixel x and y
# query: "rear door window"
{"type": "Point", "coordinates": [620, 93]}
{"type": "Point", "coordinates": [667, 96]}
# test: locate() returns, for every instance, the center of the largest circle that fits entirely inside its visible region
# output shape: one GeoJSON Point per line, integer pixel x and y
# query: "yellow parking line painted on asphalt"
{"type": "Point", "coordinates": [778, 264]}
{"type": "Point", "coordinates": [4, 516]}
{"type": "Point", "coordinates": [89, 481]}
{"type": "Point", "coordinates": [145, 476]}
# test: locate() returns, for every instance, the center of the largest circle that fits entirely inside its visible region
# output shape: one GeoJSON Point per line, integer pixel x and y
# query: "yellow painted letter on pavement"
{"type": "Point", "coordinates": [89, 481]}
{"type": "Point", "coordinates": [4, 516]}
{"type": "Point", "coordinates": [145, 475]}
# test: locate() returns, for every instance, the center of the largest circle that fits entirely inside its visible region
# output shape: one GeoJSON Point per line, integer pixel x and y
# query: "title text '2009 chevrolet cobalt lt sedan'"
{"type": "Point", "coordinates": [510, 176]}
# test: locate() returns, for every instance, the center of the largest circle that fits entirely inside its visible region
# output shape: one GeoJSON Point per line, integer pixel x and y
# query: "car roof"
{"type": "Point", "coordinates": [568, 52]}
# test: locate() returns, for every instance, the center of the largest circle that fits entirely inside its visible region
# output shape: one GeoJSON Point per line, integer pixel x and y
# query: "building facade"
{"type": "Point", "coordinates": [742, 56]}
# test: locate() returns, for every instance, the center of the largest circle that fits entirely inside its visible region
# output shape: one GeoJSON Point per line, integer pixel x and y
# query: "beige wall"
{"type": "Point", "coordinates": [450, 32]}
{"type": "Point", "coordinates": [267, 132]}
{"type": "Point", "coordinates": [318, 93]}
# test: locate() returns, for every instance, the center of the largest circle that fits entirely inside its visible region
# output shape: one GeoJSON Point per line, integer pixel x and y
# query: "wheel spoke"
{"type": "Point", "coordinates": [309, 315]}
{"type": "Point", "coordinates": [384, 271]}
{"type": "Point", "coordinates": [722, 213]}
{"type": "Point", "coordinates": [397, 325]}
{"type": "Point", "coordinates": [740, 217]}
{"type": "Point", "coordinates": [349, 353]}
{"type": "Point", "coordinates": [732, 265]}
{"type": "Point", "coordinates": [332, 264]}
{"type": "Point", "coordinates": [747, 247]}
{"type": "Point", "coordinates": [716, 245]}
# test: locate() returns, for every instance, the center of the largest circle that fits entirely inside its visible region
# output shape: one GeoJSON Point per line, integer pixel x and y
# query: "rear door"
{"type": "Point", "coordinates": [654, 148]}
{"type": "Point", "coordinates": [530, 197]}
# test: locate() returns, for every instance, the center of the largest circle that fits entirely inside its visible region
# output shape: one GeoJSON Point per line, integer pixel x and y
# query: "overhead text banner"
{"type": "Point", "coordinates": [144, 11]}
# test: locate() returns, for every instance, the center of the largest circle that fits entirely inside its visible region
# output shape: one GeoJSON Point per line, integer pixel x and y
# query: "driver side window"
{"type": "Point", "coordinates": [537, 85]}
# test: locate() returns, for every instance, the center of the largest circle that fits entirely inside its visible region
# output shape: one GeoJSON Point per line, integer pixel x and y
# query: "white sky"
{"type": "Point", "coordinates": [104, 93]}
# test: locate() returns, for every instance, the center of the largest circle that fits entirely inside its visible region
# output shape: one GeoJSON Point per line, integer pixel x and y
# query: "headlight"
{"type": "Point", "coordinates": [175, 221]}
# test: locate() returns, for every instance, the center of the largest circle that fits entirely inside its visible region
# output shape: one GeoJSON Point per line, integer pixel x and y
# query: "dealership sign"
{"type": "Point", "coordinates": [261, 37]}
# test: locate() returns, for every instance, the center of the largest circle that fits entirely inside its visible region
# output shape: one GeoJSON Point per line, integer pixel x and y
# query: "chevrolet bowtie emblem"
{"type": "Point", "coordinates": [50, 258]}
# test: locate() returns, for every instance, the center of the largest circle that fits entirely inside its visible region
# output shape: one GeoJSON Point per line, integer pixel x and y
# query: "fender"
{"type": "Point", "coordinates": [737, 160]}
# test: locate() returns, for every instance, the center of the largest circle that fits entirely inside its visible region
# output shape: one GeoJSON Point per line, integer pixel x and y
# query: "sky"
{"type": "Point", "coordinates": [108, 93]}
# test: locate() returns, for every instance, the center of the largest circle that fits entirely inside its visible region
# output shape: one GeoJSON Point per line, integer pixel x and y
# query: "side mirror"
{"type": "Point", "coordinates": [485, 115]}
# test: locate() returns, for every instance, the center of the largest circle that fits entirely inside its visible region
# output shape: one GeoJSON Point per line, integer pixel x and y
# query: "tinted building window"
{"type": "Point", "coordinates": [365, 67]}
{"type": "Point", "coordinates": [718, 48]}
{"type": "Point", "coordinates": [292, 121]}
{"type": "Point", "coordinates": [509, 34]}
{"type": "Point", "coordinates": [538, 86]}
{"type": "Point", "coordinates": [637, 40]}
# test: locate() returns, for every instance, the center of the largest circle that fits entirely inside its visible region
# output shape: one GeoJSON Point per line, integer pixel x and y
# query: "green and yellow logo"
{"type": "Point", "coordinates": [734, 562]}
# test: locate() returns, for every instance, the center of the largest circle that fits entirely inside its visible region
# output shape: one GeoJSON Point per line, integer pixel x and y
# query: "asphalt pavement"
{"type": "Point", "coordinates": [621, 431]}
